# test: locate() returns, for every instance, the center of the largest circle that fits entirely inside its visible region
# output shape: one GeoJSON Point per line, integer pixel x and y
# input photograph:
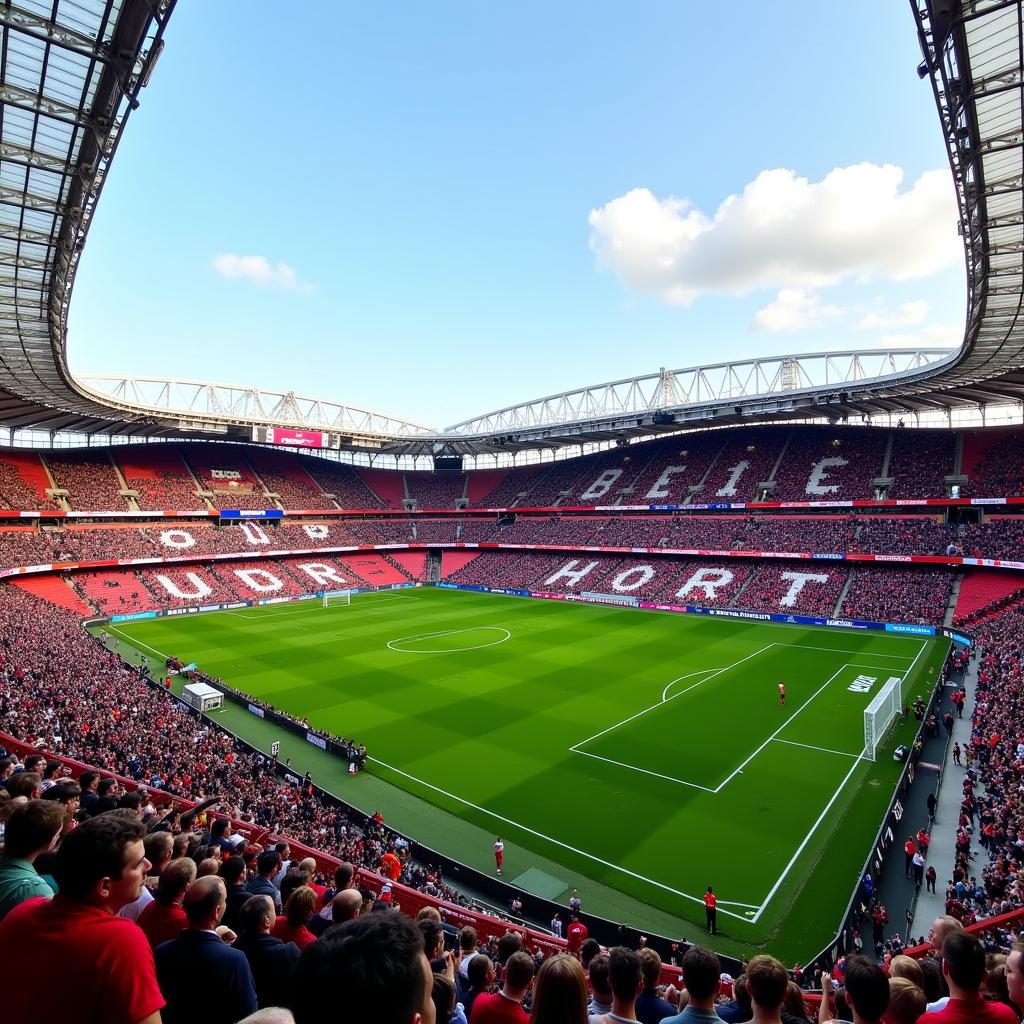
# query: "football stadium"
{"type": "Point", "coordinates": [705, 673]}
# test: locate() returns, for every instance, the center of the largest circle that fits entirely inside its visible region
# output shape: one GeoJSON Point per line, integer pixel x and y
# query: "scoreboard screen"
{"type": "Point", "coordinates": [293, 438]}
{"type": "Point", "coordinates": [447, 463]}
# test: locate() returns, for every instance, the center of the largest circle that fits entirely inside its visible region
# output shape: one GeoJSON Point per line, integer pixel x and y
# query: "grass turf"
{"type": "Point", "coordinates": [643, 753]}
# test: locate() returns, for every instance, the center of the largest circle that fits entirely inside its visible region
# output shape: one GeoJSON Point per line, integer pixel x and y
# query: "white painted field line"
{"type": "Point", "coordinates": [136, 643]}
{"type": "Point", "coordinates": [729, 778]}
{"type": "Point", "coordinates": [679, 679]}
{"type": "Point", "coordinates": [633, 767]}
{"type": "Point", "coordinates": [837, 650]}
{"type": "Point", "coordinates": [824, 750]}
{"type": "Point", "coordinates": [556, 842]}
{"type": "Point", "coordinates": [714, 672]}
{"type": "Point", "coordinates": [807, 839]}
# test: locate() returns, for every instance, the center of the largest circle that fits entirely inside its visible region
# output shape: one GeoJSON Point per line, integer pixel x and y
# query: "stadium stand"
{"type": "Point", "coordinates": [23, 481]}
{"type": "Point", "coordinates": [921, 460]}
{"type": "Point", "coordinates": [824, 464]}
{"type": "Point", "coordinates": [430, 490]}
{"type": "Point", "coordinates": [906, 596]}
{"type": "Point", "coordinates": [992, 462]}
{"type": "Point", "coordinates": [90, 480]}
{"type": "Point", "coordinates": [223, 471]}
{"type": "Point", "coordinates": [348, 488]}
{"type": "Point", "coordinates": [285, 476]}
{"type": "Point", "coordinates": [159, 476]}
{"type": "Point", "coordinates": [745, 460]}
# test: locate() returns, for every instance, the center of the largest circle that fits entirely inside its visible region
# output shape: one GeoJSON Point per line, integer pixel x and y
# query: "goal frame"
{"type": "Point", "coordinates": [337, 595]}
{"type": "Point", "coordinates": [885, 707]}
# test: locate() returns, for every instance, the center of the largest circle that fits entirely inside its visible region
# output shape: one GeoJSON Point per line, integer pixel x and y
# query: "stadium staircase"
{"type": "Point", "coordinates": [54, 493]}
{"type": "Point", "coordinates": [842, 595]}
{"type": "Point", "coordinates": [128, 493]}
{"type": "Point", "coordinates": [699, 486]}
{"type": "Point", "coordinates": [736, 602]}
{"type": "Point", "coordinates": [56, 590]}
{"type": "Point", "coordinates": [317, 486]}
{"type": "Point", "coordinates": [412, 563]}
{"type": "Point", "coordinates": [482, 482]}
{"type": "Point", "coordinates": [981, 591]}
{"type": "Point", "coordinates": [452, 561]}
{"type": "Point", "coordinates": [386, 484]}
{"type": "Point", "coordinates": [954, 597]}
{"type": "Point", "coordinates": [433, 567]}
{"type": "Point", "coordinates": [267, 492]}
{"type": "Point", "coordinates": [200, 490]}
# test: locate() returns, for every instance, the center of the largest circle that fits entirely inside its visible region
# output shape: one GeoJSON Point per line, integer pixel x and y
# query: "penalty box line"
{"type": "Point", "coordinates": [559, 843]}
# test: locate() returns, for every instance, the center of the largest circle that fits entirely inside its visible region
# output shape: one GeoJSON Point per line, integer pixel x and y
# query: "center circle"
{"type": "Point", "coordinates": [450, 641]}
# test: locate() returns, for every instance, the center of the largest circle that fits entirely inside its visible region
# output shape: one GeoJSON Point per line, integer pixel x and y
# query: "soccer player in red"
{"type": "Point", "coordinates": [782, 694]}
{"type": "Point", "coordinates": [499, 853]}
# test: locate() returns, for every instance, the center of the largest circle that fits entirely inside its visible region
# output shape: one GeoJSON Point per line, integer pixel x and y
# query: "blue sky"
{"type": "Point", "coordinates": [438, 210]}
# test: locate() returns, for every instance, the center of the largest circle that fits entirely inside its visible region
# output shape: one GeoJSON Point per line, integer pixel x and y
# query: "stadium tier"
{"type": "Point", "coordinates": [763, 463]}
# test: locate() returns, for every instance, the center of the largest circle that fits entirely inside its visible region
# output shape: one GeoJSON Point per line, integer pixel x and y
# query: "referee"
{"type": "Point", "coordinates": [711, 910]}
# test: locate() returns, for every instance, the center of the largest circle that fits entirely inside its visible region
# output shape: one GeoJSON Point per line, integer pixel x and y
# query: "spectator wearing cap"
{"type": "Point", "coordinates": [963, 966]}
{"type": "Point", "coordinates": [32, 829]}
{"type": "Point", "coordinates": [372, 968]}
{"type": "Point", "coordinates": [198, 961]}
{"type": "Point", "coordinates": [270, 959]}
{"type": "Point", "coordinates": [106, 965]}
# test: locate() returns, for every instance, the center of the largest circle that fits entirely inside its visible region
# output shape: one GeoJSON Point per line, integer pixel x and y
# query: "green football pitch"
{"type": "Point", "coordinates": [637, 756]}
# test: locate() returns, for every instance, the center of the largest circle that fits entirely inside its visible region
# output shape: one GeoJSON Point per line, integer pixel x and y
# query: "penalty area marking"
{"type": "Point", "coordinates": [392, 644]}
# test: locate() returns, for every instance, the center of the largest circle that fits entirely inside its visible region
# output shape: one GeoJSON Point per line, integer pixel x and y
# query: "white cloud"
{"type": "Point", "coordinates": [794, 309]}
{"type": "Point", "coordinates": [934, 335]}
{"type": "Point", "coordinates": [260, 271]}
{"type": "Point", "coordinates": [906, 315]}
{"type": "Point", "coordinates": [783, 231]}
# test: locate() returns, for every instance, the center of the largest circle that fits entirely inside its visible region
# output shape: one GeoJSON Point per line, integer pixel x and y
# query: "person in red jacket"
{"type": "Point", "coordinates": [576, 935]}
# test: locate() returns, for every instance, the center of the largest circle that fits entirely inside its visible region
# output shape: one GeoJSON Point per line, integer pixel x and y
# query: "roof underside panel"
{"type": "Point", "coordinates": [71, 72]}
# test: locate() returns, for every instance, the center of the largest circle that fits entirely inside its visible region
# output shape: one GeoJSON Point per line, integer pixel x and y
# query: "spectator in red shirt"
{"type": "Point", "coordinates": [106, 965]}
{"type": "Point", "coordinates": [576, 935]}
{"type": "Point", "coordinates": [163, 919]}
{"type": "Point", "coordinates": [506, 1006]}
{"type": "Point", "coordinates": [391, 866]}
{"type": "Point", "coordinates": [909, 849]}
{"type": "Point", "coordinates": [963, 967]}
{"type": "Point", "coordinates": [299, 909]}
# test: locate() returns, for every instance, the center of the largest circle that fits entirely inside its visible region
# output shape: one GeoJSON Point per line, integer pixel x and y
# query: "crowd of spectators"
{"type": "Point", "coordinates": [15, 493]}
{"type": "Point", "coordinates": [435, 490]}
{"type": "Point", "coordinates": [861, 451]}
{"type": "Point", "coordinates": [159, 477]}
{"type": "Point", "coordinates": [284, 475]}
{"type": "Point", "coordinates": [807, 589]}
{"type": "Point", "coordinates": [921, 460]}
{"type": "Point", "coordinates": [347, 486]}
{"type": "Point", "coordinates": [89, 479]}
{"type": "Point", "coordinates": [895, 595]}
{"type": "Point", "coordinates": [222, 914]}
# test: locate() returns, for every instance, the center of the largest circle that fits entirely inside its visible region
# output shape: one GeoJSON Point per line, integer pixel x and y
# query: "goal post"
{"type": "Point", "coordinates": [336, 597]}
{"type": "Point", "coordinates": [884, 709]}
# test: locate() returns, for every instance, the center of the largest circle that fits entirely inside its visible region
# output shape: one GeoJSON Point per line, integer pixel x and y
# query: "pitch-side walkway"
{"type": "Point", "coordinates": [947, 812]}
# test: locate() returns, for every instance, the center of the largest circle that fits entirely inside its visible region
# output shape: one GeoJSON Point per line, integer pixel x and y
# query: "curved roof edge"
{"type": "Point", "coordinates": [58, 140]}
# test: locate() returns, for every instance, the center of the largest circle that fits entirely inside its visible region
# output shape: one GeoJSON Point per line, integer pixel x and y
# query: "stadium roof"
{"type": "Point", "coordinates": [71, 73]}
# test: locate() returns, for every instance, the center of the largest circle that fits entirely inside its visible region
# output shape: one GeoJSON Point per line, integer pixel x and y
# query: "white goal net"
{"type": "Point", "coordinates": [336, 597]}
{"type": "Point", "coordinates": [884, 709]}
